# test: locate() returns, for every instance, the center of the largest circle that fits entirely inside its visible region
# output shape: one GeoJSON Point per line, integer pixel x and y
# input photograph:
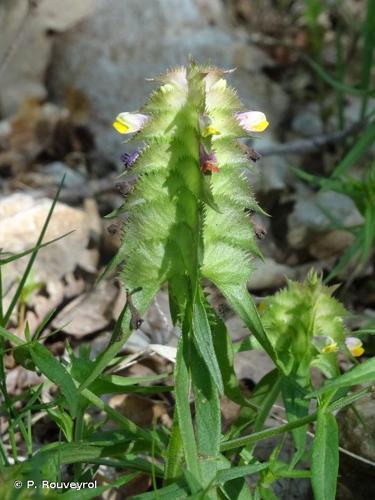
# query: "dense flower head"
{"type": "Point", "coordinates": [186, 216]}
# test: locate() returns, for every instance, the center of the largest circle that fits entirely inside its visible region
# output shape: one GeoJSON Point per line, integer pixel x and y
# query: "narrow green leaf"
{"type": "Point", "coordinates": [33, 256]}
{"type": "Point", "coordinates": [87, 494]}
{"type": "Point", "coordinates": [125, 423]}
{"type": "Point", "coordinates": [10, 336]}
{"type": "Point", "coordinates": [347, 89]}
{"type": "Point", "coordinates": [325, 457]}
{"type": "Point", "coordinates": [361, 146]}
{"type": "Point", "coordinates": [368, 31]}
{"type": "Point", "coordinates": [174, 453]}
{"type": "Point", "coordinates": [359, 374]}
{"type": "Point", "coordinates": [207, 418]}
{"type": "Point", "coordinates": [120, 334]}
{"type": "Point", "coordinates": [239, 298]}
{"type": "Point", "coordinates": [296, 407]}
{"type": "Point", "coordinates": [55, 372]}
{"type": "Point", "coordinates": [173, 491]}
{"type": "Point", "coordinates": [36, 248]}
{"type": "Point", "coordinates": [204, 343]}
{"type": "Point", "coordinates": [182, 390]}
{"type": "Point", "coordinates": [225, 357]}
{"type": "Point", "coordinates": [240, 471]}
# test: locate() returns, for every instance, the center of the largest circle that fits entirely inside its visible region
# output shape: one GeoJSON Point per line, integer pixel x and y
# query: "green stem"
{"type": "Point", "coordinates": [268, 433]}
{"type": "Point", "coordinates": [78, 435]}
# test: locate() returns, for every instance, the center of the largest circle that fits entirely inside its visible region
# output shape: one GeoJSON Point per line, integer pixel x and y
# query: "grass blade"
{"type": "Point", "coordinates": [361, 146]}
{"type": "Point", "coordinates": [33, 256]}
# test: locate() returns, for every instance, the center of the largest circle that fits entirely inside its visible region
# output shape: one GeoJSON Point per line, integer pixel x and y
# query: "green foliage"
{"type": "Point", "coordinates": [187, 224]}
{"type": "Point", "coordinates": [362, 192]}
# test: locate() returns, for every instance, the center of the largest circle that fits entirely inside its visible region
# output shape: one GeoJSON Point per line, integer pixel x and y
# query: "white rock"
{"type": "Point", "coordinates": [24, 75]}
{"type": "Point", "coordinates": [22, 219]}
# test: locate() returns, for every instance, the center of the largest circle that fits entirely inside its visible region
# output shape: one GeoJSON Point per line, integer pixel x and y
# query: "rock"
{"type": "Point", "coordinates": [107, 58]}
{"type": "Point", "coordinates": [308, 221]}
{"type": "Point", "coordinates": [270, 274]}
{"type": "Point", "coordinates": [307, 121]}
{"type": "Point", "coordinates": [31, 50]}
{"type": "Point", "coordinates": [88, 313]}
{"type": "Point", "coordinates": [357, 429]}
{"type": "Point", "coordinates": [56, 171]}
{"type": "Point", "coordinates": [22, 219]}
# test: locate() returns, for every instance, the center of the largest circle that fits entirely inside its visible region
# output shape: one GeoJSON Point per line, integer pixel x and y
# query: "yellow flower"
{"type": "Point", "coordinates": [252, 121]}
{"type": "Point", "coordinates": [210, 130]}
{"type": "Point", "coordinates": [325, 344]}
{"type": "Point", "coordinates": [128, 123]}
{"type": "Point", "coordinates": [332, 347]}
{"type": "Point", "coordinates": [355, 346]}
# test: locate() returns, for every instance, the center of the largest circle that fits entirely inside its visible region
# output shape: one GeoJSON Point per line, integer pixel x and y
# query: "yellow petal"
{"type": "Point", "coordinates": [210, 131]}
{"type": "Point", "coordinates": [121, 127]}
{"type": "Point", "coordinates": [259, 127]}
{"type": "Point", "coordinates": [357, 351]}
{"type": "Point", "coordinates": [330, 348]}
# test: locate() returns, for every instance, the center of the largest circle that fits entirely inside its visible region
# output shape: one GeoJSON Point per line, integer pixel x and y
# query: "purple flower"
{"type": "Point", "coordinates": [208, 160]}
{"type": "Point", "coordinates": [129, 158]}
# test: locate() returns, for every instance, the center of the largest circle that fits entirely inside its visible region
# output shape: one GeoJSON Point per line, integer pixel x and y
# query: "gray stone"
{"type": "Point", "coordinates": [108, 56]}
{"type": "Point", "coordinates": [308, 218]}
{"type": "Point", "coordinates": [26, 46]}
{"type": "Point", "coordinates": [307, 122]}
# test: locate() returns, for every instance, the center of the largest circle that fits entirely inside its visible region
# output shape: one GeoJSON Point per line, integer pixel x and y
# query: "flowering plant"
{"type": "Point", "coordinates": [188, 223]}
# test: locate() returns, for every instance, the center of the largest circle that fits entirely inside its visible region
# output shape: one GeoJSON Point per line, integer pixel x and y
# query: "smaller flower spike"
{"type": "Point", "coordinates": [128, 123]}
{"type": "Point", "coordinates": [252, 121]}
{"type": "Point", "coordinates": [355, 346]}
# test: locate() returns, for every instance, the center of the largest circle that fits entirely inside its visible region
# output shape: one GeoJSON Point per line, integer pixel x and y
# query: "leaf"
{"type": "Point", "coordinates": [36, 248]}
{"type": "Point", "coordinates": [361, 146]}
{"type": "Point", "coordinates": [364, 372]}
{"type": "Point", "coordinates": [296, 407]}
{"type": "Point", "coordinates": [336, 83]}
{"type": "Point", "coordinates": [125, 423]}
{"type": "Point", "coordinates": [56, 373]}
{"type": "Point", "coordinates": [182, 390]}
{"type": "Point", "coordinates": [87, 494]}
{"type": "Point", "coordinates": [240, 471]}
{"type": "Point", "coordinates": [325, 457]}
{"type": "Point", "coordinates": [207, 418]}
{"type": "Point", "coordinates": [10, 336]}
{"type": "Point", "coordinates": [173, 491]}
{"type": "Point", "coordinates": [239, 298]}
{"type": "Point", "coordinates": [225, 357]}
{"type": "Point", "coordinates": [204, 343]}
